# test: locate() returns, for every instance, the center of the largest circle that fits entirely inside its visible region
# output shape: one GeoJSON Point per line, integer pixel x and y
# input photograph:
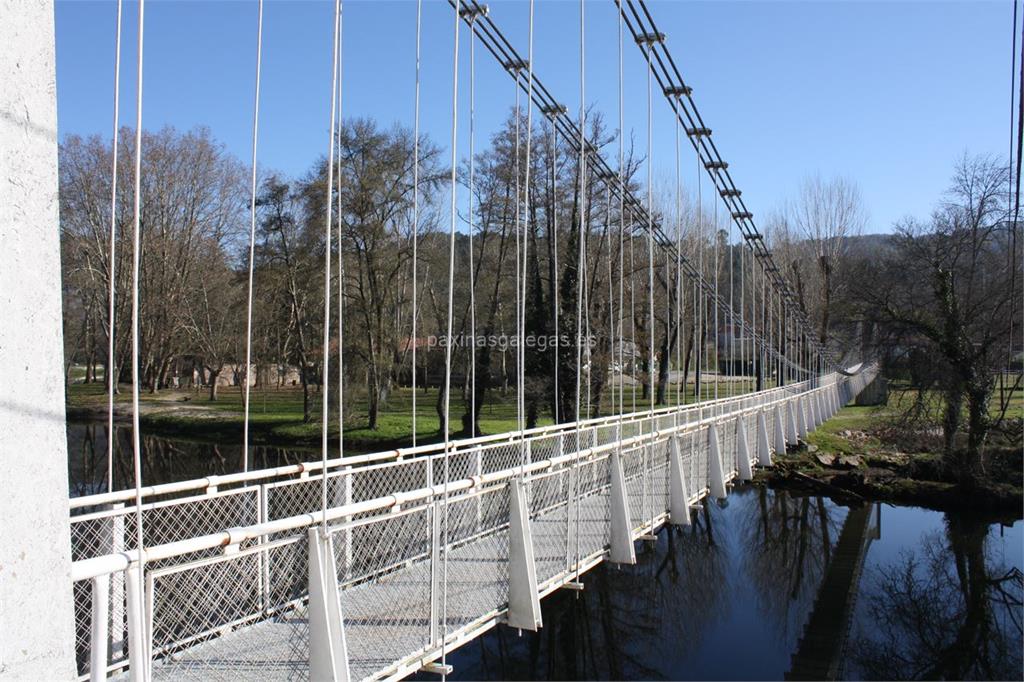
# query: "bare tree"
{"type": "Point", "coordinates": [944, 290]}
{"type": "Point", "coordinates": [826, 214]}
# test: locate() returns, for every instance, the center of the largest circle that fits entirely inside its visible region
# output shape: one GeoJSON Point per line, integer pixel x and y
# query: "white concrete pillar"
{"type": "Point", "coordinates": [36, 615]}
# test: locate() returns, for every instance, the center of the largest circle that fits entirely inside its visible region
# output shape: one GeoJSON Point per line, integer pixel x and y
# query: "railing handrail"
{"type": "Point", "coordinates": [85, 569]}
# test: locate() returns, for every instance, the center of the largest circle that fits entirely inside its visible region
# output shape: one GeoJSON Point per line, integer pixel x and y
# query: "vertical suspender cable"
{"type": "Point", "coordinates": [341, 259]}
{"type": "Point", "coordinates": [730, 372]}
{"type": "Point", "coordinates": [448, 336]}
{"type": "Point", "coordinates": [702, 302]}
{"type": "Point", "coordinates": [580, 264]}
{"type": "Point", "coordinates": [415, 210]}
{"type": "Point", "coordinates": [632, 306]}
{"type": "Point", "coordinates": [136, 259]}
{"type": "Point", "coordinates": [327, 265]}
{"type": "Point", "coordinates": [611, 305]}
{"type": "Point", "coordinates": [649, 479]}
{"type": "Point", "coordinates": [526, 242]}
{"type": "Point", "coordinates": [585, 288]}
{"type": "Point", "coordinates": [472, 231]}
{"type": "Point", "coordinates": [111, 373]}
{"type": "Point", "coordinates": [681, 382]}
{"type": "Point", "coordinates": [718, 269]}
{"type": "Point", "coordinates": [252, 235]}
{"type": "Point", "coordinates": [622, 233]}
{"type": "Point", "coordinates": [517, 171]}
{"type": "Point", "coordinates": [554, 248]}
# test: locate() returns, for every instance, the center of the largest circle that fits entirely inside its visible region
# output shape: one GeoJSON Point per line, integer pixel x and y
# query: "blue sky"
{"type": "Point", "coordinates": [888, 94]}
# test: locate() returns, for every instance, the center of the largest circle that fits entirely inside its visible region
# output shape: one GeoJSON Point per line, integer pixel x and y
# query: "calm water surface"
{"type": "Point", "coordinates": [763, 586]}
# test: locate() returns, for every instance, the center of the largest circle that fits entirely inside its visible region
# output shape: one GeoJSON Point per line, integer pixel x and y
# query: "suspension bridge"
{"type": "Point", "coordinates": [376, 566]}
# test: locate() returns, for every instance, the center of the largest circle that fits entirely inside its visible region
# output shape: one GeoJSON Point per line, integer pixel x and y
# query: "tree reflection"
{"type": "Point", "coordinates": [164, 460]}
{"type": "Point", "coordinates": [950, 610]}
{"type": "Point", "coordinates": [629, 623]}
{"type": "Point", "coordinates": [790, 545]}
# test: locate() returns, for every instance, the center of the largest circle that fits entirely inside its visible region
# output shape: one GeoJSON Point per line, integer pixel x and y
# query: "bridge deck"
{"type": "Point", "coordinates": [386, 620]}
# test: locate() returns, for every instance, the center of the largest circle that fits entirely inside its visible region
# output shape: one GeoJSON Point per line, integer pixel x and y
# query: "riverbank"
{"type": "Point", "coordinates": [860, 455]}
{"type": "Point", "coordinates": [276, 415]}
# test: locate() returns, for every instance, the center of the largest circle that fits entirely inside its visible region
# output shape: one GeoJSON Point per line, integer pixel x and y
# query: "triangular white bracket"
{"type": "Point", "coordinates": [716, 480]}
{"type": "Point", "coordinates": [621, 540]}
{"type": "Point", "coordinates": [780, 431]}
{"type": "Point", "coordinates": [742, 451]}
{"type": "Point", "coordinates": [678, 493]}
{"type": "Point", "coordinates": [811, 409]}
{"type": "Point", "coordinates": [764, 451]}
{"type": "Point", "coordinates": [328, 653]}
{"type": "Point", "coordinates": [523, 597]}
{"type": "Point", "coordinates": [791, 432]}
{"type": "Point", "coordinates": [801, 418]}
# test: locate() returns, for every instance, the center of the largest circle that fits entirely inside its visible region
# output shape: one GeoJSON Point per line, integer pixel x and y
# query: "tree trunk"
{"type": "Point", "coordinates": [213, 384]}
{"type": "Point", "coordinates": [373, 401]}
{"type": "Point", "coordinates": [306, 416]}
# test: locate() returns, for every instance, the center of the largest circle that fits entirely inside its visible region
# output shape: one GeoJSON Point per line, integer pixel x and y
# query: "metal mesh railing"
{"type": "Point", "coordinates": [412, 569]}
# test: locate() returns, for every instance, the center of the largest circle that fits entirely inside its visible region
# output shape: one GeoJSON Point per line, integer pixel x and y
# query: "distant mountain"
{"type": "Point", "coordinates": [866, 244]}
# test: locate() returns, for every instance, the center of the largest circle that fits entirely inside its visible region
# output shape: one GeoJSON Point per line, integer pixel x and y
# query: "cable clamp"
{"type": "Point", "coordinates": [650, 38]}
{"type": "Point", "coordinates": [516, 65]}
{"type": "Point", "coordinates": [470, 13]}
{"type": "Point", "coordinates": [553, 110]}
{"type": "Point", "coordinates": [678, 91]}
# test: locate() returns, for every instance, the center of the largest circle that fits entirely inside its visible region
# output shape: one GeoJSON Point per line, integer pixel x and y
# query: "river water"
{"type": "Point", "coordinates": [765, 585]}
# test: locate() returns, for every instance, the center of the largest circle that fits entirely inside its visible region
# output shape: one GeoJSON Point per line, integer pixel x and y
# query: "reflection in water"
{"type": "Point", "coordinates": [948, 609]}
{"type": "Point", "coordinates": [164, 460]}
{"type": "Point", "coordinates": [731, 598]}
{"type": "Point", "coordinates": [788, 543]}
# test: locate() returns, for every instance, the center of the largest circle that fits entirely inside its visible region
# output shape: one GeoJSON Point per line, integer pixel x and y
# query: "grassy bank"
{"type": "Point", "coordinates": [276, 414]}
{"type": "Point", "coordinates": [876, 453]}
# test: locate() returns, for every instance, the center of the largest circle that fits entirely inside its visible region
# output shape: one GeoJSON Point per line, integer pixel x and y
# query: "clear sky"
{"type": "Point", "coordinates": [886, 93]}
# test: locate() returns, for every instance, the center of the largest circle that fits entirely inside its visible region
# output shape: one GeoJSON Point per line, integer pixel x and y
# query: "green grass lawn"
{"type": "Point", "coordinates": [276, 413]}
{"type": "Point", "coordinates": [868, 419]}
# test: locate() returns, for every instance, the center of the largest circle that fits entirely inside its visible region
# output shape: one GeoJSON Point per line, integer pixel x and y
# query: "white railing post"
{"type": "Point", "coordinates": [621, 540]}
{"type": "Point", "coordinates": [98, 635]}
{"type": "Point", "coordinates": [791, 432]}
{"type": "Point", "coordinates": [716, 482]}
{"type": "Point", "coordinates": [138, 640]}
{"type": "Point", "coordinates": [264, 557]}
{"type": "Point", "coordinates": [328, 653]}
{"type": "Point", "coordinates": [678, 493]}
{"type": "Point", "coordinates": [117, 614]}
{"type": "Point", "coordinates": [523, 597]}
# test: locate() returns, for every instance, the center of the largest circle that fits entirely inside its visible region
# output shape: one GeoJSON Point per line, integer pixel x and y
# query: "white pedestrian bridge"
{"type": "Point", "coordinates": [244, 576]}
